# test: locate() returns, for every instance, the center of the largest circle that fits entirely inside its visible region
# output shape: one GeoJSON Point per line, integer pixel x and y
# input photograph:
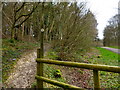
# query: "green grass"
{"type": "Point", "coordinates": [109, 58]}
{"type": "Point", "coordinates": [106, 57]}
{"type": "Point", "coordinates": [117, 47]}
{"type": "Point", "coordinates": [11, 52]}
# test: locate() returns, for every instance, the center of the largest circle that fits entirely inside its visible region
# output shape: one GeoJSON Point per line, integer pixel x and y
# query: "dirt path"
{"type": "Point", "coordinates": [24, 71]}
{"type": "Point", "coordinates": [112, 49]}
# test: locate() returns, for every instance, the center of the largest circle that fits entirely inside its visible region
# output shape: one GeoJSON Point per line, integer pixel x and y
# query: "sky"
{"type": "Point", "coordinates": [103, 11]}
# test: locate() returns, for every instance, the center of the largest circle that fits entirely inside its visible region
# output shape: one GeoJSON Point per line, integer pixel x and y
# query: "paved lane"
{"type": "Point", "coordinates": [112, 49]}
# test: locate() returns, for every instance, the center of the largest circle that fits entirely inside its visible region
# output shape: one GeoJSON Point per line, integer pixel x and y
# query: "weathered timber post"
{"type": "Point", "coordinates": [40, 54]}
{"type": "Point", "coordinates": [39, 69]}
{"type": "Point", "coordinates": [96, 80]}
{"type": "Point", "coordinates": [42, 47]}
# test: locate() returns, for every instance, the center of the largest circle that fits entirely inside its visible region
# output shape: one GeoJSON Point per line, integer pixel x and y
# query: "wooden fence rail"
{"type": "Point", "coordinates": [99, 67]}
{"type": "Point", "coordinates": [60, 84]}
{"type": "Point", "coordinates": [95, 67]}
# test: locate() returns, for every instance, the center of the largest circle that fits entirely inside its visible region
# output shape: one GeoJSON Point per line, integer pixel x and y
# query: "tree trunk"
{"type": "Point", "coordinates": [22, 34]}
{"type": "Point", "coordinates": [12, 32]}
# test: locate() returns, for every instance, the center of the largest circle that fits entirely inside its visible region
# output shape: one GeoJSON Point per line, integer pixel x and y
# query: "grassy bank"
{"type": "Point", "coordinates": [117, 47]}
{"type": "Point", "coordinates": [106, 57]}
{"type": "Point", "coordinates": [109, 79]}
{"type": "Point", "coordinates": [11, 52]}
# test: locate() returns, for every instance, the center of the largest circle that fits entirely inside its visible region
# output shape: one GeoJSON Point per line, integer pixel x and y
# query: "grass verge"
{"type": "Point", "coordinates": [117, 47]}
{"type": "Point", "coordinates": [106, 57]}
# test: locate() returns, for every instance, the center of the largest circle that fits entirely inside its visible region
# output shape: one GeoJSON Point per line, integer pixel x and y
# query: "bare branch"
{"type": "Point", "coordinates": [27, 15]}
{"type": "Point", "coordinates": [21, 7]}
{"type": "Point", "coordinates": [7, 17]}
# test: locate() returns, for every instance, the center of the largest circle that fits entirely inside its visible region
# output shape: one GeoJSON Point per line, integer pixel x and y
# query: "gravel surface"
{"type": "Point", "coordinates": [112, 49]}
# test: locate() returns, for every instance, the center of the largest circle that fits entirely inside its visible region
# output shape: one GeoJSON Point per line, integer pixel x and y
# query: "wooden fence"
{"type": "Point", "coordinates": [95, 67]}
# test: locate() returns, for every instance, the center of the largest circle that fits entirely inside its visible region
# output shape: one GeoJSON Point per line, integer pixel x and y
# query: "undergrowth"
{"type": "Point", "coordinates": [49, 71]}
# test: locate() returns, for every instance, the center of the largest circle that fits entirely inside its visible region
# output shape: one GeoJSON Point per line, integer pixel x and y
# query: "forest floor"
{"type": "Point", "coordinates": [77, 77]}
{"type": "Point", "coordinates": [23, 74]}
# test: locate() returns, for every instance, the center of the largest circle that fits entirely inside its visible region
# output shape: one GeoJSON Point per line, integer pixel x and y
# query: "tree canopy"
{"type": "Point", "coordinates": [111, 32]}
{"type": "Point", "coordinates": [69, 27]}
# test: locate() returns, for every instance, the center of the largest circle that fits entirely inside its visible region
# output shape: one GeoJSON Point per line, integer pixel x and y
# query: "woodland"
{"type": "Point", "coordinates": [70, 34]}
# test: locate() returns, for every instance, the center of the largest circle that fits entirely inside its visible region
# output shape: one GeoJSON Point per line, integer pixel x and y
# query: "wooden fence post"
{"type": "Point", "coordinates": [39, 70]}
{"type": "Point", "coordinates": [40, 54]}
{"type": "Point", "coordinates": [96, 80]}
{"type": "Point", "coordinates": [41, 44]}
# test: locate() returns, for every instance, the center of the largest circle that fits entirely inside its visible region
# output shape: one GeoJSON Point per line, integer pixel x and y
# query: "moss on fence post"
{"type": "Point", "coordinates": [39, 70]}
{"type": "Point", "coordinates": [40, 54]}
{"type": "Point", "coordinates": [41, 44]}
{"type": "Point", "coordinates": [96, 80]}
